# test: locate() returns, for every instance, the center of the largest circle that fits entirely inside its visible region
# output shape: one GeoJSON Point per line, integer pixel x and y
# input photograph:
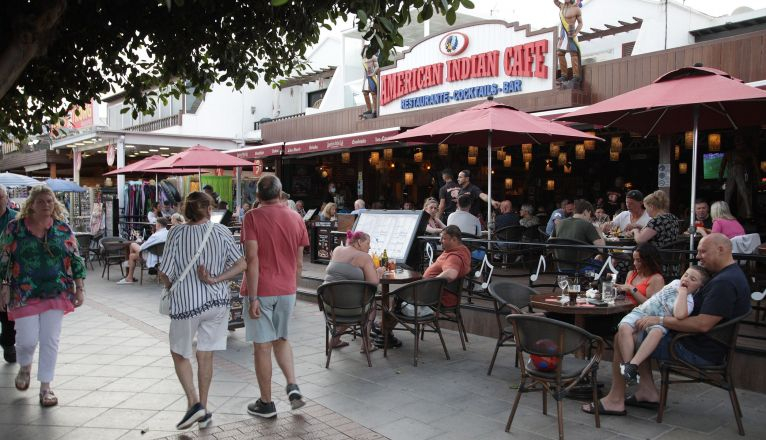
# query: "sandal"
{"type": "Point", "coordinates": [22, 380]}
{"type": "Point", "coordinates": [47, 398]}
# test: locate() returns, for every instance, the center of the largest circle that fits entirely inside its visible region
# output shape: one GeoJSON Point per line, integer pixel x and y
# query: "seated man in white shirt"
{"type": "Point", "coordinates": [634, 217]}
{"type": "Point", "coordinates": [463, 219]}
{"type": "Point", "coordinates": [160, 236]}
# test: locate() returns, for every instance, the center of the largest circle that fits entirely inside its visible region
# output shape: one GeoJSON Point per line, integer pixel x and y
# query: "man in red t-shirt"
{"type": "Point", "coordinates": [452, 264]}
{"type": "Point", "coordinates": [274, 237]}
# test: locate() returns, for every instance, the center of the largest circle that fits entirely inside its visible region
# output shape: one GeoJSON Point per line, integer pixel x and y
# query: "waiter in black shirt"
{"type": "Point", "coordinates": [466, 187]}
{"type": "Point", "coordinates": [447, 203]}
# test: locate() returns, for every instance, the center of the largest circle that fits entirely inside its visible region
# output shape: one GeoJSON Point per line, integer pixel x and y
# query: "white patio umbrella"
{"type": "Point", "coordinates": [11, 180]}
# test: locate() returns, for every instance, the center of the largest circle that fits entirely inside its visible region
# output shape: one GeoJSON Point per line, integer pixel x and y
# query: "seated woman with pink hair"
{"type": "Point", "coordinates": [353, 262]}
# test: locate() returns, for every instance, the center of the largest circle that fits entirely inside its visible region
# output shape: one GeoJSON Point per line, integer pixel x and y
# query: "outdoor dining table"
{"type": "Point", "coordinates": [620, 241]}
{"type": "Point", "coordinates": [580, 311]}
{"type": "Point", "coordinates": [389, 277]}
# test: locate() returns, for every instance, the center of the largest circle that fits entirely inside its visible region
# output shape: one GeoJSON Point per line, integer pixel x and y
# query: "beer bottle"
{"type": "Point", "coordinates": [384, 259]}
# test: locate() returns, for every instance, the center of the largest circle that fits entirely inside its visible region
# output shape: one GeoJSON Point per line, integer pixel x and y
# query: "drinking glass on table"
{"type": "Point", "coordinates": [574, 290]}
{"type": "Point", "coordinates": [562, 282]}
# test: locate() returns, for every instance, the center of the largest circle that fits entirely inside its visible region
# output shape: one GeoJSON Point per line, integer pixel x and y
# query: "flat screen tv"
{"type": "Point", "coordinates": [711, 165]}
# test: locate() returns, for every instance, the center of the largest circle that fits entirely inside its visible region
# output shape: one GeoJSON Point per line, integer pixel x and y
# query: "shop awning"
{"type": "Point", "coordinates": [341, 142]}
{"type": "Point", "coordinates": [259, 151]}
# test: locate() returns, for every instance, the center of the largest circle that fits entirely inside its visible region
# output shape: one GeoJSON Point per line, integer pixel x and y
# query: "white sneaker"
{"type": "Point", "coordinates": [125, 281]}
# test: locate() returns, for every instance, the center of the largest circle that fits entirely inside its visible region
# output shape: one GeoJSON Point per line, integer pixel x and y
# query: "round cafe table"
{"type": "Point", "coordinates": [401, 276]}
{"type": "Point", "coordinates": [580, 311]}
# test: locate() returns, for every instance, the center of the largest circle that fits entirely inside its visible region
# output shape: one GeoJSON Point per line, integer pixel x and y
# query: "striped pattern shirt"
{"type": "Point", "coordinates": [192, 297]}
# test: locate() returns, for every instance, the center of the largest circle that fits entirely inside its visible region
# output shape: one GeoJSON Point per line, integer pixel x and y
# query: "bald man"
{"type": "Point", "coordinates": [725, 296]}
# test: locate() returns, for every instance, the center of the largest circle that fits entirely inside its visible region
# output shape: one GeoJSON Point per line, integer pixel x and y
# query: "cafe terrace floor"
{"type": "Point", "coordinates": [115, 379]}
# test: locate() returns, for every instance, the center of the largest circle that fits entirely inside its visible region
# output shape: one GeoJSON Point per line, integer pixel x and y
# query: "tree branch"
{"type": "Point", "coordinates": [29, 41]}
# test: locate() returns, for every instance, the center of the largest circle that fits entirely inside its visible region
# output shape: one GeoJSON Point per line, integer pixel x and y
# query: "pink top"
{"type": "Point", "coordinates": [279, 232]}
{"type": "Point", "coordinates": [36, 306]}
{"type": "Point", "coordinates": [729, 228]}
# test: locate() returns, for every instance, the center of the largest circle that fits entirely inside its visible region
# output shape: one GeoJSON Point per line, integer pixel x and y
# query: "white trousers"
{"type": "Point", "coordinates": [46, 329]}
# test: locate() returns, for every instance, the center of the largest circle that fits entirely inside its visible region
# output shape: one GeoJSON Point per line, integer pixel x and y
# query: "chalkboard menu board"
{"type": "Point", "coordinates": [322, 241]}
{"type": "Point", "coordinates": [393, 231]}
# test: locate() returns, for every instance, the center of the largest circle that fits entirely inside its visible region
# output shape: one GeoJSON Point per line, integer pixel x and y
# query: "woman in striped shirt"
{"type": "Point", "coordinates": [199, 303]}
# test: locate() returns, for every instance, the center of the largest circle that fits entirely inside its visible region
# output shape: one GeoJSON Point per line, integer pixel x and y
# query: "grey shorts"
{"type": "Point", "coordinates": [631, 318]}
{"type": "Point", "coordinates": [272, 325]}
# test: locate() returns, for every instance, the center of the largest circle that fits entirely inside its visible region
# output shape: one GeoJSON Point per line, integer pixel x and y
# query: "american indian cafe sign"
{"type": "Point", "coordinates": [469, 63]}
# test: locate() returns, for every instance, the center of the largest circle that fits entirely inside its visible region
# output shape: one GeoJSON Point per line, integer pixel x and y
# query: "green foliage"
{"type": "Point", "coordinates": [176, 47]}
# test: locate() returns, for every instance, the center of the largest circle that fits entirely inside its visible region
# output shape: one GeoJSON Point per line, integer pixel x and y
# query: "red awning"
{"type": "Point", "coordinates": [341, 142]}
{"type": "Point", "coordinates": [258, 151]}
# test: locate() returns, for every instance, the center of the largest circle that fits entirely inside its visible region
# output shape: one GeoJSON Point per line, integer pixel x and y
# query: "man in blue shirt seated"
{"type": "Point", "coordinates": [726, 296]}
{"type": "Point", "coordinates": [566, 210]}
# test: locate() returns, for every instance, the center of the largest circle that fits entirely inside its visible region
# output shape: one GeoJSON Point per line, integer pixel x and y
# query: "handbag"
{"type": "Point", "coordinates": [168, 291]}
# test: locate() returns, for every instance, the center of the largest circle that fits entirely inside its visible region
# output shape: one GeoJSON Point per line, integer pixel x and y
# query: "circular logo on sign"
{"type": "Point", "coordinates": [257, 167]}
{"type": "Point", "coordinates": [453, 43]}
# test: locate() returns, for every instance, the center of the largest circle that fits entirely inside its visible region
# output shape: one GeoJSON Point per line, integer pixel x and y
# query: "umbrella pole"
{"type": "Point", "coordinates": [238, 199]}
{"type": "Point", "coordinates": [490, 223]}
{"type": "Point", "coordinates": [157, 187]}
{"type": "Point", "coordinates": [694, 177]}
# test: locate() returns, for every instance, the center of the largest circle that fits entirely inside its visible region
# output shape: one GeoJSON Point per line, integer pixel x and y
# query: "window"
{"type": "Point", "coordinates": [315, 98]}
{"type": "Point", "coordinates": [627, 49]}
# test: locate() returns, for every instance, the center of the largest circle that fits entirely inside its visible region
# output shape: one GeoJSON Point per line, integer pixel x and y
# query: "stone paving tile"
{"type": "Point", "coordinates": [33, 432]}
{"type": "Point", "coordinates": [94, 434]}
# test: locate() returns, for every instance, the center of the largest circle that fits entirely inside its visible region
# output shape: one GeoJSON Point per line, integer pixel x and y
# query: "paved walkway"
{"type": "Point", "coordinates": [115, 379]}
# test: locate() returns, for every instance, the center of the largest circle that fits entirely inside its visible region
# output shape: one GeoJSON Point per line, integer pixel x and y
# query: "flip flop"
{"type": "Point", "coordinates": [340, 344]}
{"type": "Point", "coordinates": [590, 409]}
{"type": "Point", "coordinates": [633, 401]}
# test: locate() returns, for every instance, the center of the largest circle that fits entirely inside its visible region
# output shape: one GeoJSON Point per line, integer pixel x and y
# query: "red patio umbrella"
{"type": "Point", "coordinates": [139, 167]}
{"type": "Point", "coordinates": [495, 124]}
{"type": "Point", "coordinates": [690, 98]}
{"type": "Point", "coordinates": [200, 157]}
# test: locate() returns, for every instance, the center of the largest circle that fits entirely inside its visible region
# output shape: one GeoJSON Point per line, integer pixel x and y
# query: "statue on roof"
{"type": "Point", "coordinates": [370, 84]}
{"type": "Point", "coordinates": [570, 15]}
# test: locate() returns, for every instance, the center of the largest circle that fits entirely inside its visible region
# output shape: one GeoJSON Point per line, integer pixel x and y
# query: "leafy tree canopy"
{"type": "Point", "coordinates": [59, 53]}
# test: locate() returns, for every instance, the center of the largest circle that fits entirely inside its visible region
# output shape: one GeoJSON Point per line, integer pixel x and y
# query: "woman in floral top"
{"type": "Point", "coordinates": [662, 229]}
{"type": "Point", "coordinates": [42, 274]}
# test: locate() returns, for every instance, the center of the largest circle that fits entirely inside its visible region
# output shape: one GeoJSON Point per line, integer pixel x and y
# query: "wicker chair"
{"type": "Point", "coordinates": [716, 375]}
{"type": "Point", "coordinates": [346, 304]}
{"type": "Point", "coordinates": [423, 293]}
{"type": "Point", "coordinates": [564, 340]}
{"type": "Point", "coordinates": [509, 298]}
{"type": "Point", "coordinates": [112, 254]}
{"type": "Point", "coordinates": [157, 250]}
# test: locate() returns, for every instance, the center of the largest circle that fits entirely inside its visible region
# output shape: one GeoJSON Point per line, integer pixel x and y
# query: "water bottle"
{"type": "Point", "coordinates": [607, 289]}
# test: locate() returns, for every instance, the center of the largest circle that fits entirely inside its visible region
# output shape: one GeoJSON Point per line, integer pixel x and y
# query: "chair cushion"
{"type": "Point", "coordinates": [411, 319]}
{"type": "Point", "coordinates": [571, 368]}
{"type": "Point", "coordinates": [348, 319]}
